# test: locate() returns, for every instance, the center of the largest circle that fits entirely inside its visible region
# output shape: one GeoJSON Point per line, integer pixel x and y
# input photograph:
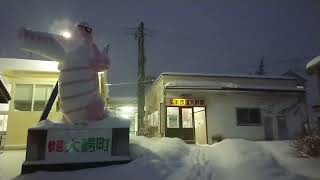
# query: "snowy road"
{"type": "Point", "coordinates": [172, 159]}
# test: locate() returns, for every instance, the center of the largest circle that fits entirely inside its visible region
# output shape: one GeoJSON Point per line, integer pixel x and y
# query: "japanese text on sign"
{"type": "Point", "coordinates": [93, 144]}
{"type": "Point", "coordinates": [186, 102]}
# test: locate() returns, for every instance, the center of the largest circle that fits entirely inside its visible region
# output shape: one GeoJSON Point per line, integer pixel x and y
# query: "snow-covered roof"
{"type": "Point", "coordinates": [213, 85]}
{"type": "Point", "coordinates": [28, 65]}
{"type": "Point", "coordinates": [313, 65]}
{"type": "Point", "coordinates": [208, 84]}
{"type": "Point", "coordinates": [228, 75]}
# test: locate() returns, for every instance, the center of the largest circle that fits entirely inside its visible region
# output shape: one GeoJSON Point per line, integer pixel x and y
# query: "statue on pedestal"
{"type": "Point", "coordinates": [89, 136]}
{"type": "Point", "coordinates": [79, 63]}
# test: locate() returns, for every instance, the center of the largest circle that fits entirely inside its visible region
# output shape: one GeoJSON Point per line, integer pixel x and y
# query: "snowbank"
{"type": "Point", "coordinates": [172, 159]}
{"type": "Point", "coordinates": [241, 159]}
{"type": "Point", "coordinates": [10, 164]}
{"type": "Point", "coordinates": [287, 158]}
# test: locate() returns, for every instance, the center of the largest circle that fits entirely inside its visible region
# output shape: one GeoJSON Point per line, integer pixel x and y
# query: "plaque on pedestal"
{"type": "Point", "coordinates": [72, 148]}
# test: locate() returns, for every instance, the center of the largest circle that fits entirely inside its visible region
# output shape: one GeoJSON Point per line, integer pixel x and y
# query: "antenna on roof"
{"type": "Point", "coordinates": [260, 70]}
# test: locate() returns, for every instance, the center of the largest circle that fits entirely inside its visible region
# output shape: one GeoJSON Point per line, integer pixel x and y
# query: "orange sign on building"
{"type": "Point", "coordinates": [186, 102]}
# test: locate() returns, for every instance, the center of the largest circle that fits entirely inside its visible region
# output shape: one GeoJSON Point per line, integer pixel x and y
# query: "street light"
{"type": "Point", "coordinates": [66, 34]}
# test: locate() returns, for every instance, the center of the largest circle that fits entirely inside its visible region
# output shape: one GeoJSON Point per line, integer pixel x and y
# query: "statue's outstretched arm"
{"type": "Point", "coordinates": [44, 44]}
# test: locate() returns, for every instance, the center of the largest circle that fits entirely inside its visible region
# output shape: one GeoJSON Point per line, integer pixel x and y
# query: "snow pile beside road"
{"type": "Point", "coordinates": [172, 159]}
{"type": "Point", "coordinates": [282, 152]}
{"type": "Point", "coordinates": [241, 159]}
{"type": "Point", "coordinates": [10, 164]}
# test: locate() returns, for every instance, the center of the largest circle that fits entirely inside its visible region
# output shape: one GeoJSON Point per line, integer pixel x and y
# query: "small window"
{"type": "Point", "coordinates": [173, 117]}
{"type": "Point", "coordinates": [248, 116]}
{"type": "Point", "coordinates": [23, 97]}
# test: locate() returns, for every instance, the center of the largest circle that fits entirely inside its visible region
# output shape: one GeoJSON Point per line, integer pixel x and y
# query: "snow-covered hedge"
{"type": "Point", "coordinates": [308, 146]}
{"type": "Point", "coordinates": [217, 138]}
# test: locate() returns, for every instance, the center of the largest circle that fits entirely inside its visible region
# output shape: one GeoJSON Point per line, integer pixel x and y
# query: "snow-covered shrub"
{"type": "Point", "coordinates": [308, 146]}
{"type": "Point", "coordinates": [216, 138]}
{"type": "Point", "coordinates": [148, 131]}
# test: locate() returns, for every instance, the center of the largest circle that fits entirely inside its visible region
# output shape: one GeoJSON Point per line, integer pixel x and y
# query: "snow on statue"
{"type": "Point", "coordinates": [79, 66]}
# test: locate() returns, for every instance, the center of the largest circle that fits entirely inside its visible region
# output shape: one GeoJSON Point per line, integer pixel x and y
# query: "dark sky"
{"type": "Point", "coordinates": [213, 36]}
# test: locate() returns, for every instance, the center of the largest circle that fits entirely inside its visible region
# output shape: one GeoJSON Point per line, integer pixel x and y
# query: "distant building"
{"type": "Point", "coordinates": [125, 107]}
{"type": "Point", "coordinates": [30, 83]}
{"type": "Point", "coordinates": [4, 99]}
{"type": "Point", "coordinates": [199, 107]}
{"type": "Point", "coordinates": [313, 68]}
{"type": "Point", "coordinates": [4, 94]}
{"type": "Point", "coordinates": [301, 80]}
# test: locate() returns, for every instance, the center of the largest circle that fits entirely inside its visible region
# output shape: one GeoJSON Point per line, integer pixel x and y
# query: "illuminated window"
{"type": "Point", "coordinates": [248, 116]}
{"type": "Point", "coordinates": [30, 97]}
{"type": "Point", "coordinates": [173, 117]}
{"type": "Point", "coordinates": [41, 96]}
{"type": "Point", "coordinates": [23, 97]}
{"type": "Point", "coordinates": [3, 122]}
{"type": "Point", "coordinates": [186, 116]}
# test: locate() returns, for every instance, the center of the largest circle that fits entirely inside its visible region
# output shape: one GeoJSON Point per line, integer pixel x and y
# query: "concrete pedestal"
{"type": "Point", "coordinates": [73, 148]}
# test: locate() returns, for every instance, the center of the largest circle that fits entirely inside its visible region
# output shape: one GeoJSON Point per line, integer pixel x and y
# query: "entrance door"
{"type": "Point", "coordinates": [268, 128]}
{"type": "Point", "coordinates": [187, 124]}
{"type": "Point", "coordinates": [200, 125]}
{"type": "Point", "coordinates": [180, 123]}
{"type": "Point", "coordinates": [282, 127]}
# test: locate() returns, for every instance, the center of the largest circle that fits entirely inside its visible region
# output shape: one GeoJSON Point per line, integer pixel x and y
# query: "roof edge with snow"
{"type": "Point", "coordinates": [229, 75]}
{"type": "Point", "coordinates": [274, 77]}
{"type": "Point", "coordinates": [313, 65]}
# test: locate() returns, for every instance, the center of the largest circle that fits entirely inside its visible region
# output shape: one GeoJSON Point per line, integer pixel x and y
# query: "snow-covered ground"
{"type": "Point", "coordinates": [171, 158]}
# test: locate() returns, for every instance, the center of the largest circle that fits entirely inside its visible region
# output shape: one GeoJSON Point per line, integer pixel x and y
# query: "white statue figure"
{"type": "Point", "coordinates": [79, 66]}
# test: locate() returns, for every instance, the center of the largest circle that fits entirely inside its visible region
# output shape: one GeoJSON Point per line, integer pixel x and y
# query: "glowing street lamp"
{"type": "Point", "coordinates": [66, 34]}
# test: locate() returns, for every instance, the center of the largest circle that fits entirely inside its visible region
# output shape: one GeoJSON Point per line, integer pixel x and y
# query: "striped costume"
{"type": "Point", "coordinates": [79, 95]}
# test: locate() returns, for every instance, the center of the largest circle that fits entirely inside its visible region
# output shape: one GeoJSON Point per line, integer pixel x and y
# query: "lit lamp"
{"type": "Point", "coordinates": [126, 111]}
{"type": "Point", "coordinates": [66, 34]}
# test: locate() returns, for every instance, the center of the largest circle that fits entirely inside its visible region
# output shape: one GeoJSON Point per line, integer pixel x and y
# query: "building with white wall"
{"type": "Point", "coordinates": [313, 68]}
{"type": "Point", "coordinates": [30, 83]}
{"type": "Point", "coordinates": [125, 107]}
{"type": "Point", "coordinates": [197, 107]}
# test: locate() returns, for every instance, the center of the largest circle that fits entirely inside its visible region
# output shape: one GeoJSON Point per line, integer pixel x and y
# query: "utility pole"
{"type": "Point", "coordinates": [139, 35]}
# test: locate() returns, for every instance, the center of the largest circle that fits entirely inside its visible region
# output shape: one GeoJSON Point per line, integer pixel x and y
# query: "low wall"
{"type": "Point", "coordinates": [18, 124]}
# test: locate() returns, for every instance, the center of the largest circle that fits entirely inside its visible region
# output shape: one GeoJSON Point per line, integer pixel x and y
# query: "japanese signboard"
{"type": "Point", "coordinates": [78, 145]}
{"type": "Point", "coordinates": [185, 102]}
